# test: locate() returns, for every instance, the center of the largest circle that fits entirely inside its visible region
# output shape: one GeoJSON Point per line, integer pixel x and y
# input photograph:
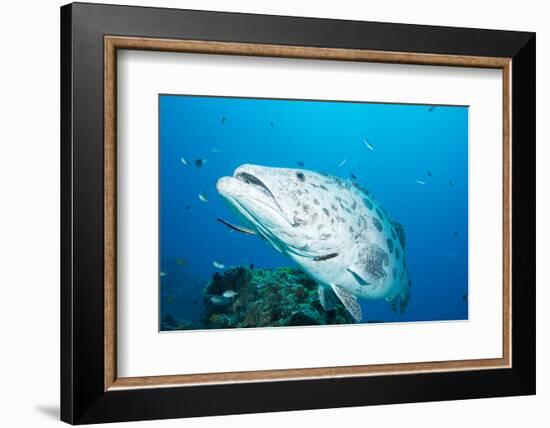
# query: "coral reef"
{"type": "Point", "coordinates": [243, 297]}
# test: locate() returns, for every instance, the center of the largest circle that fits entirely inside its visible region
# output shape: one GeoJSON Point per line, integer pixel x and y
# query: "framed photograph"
{"type": "Point", "coordinates": [266, 213]}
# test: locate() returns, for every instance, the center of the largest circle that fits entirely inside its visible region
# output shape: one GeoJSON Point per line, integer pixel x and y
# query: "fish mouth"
{"type": "Point", "coordinates": [253, 199]}
{"type": "Point", "coordinates": [250, 191]}
{"type": "Point", "coordinates": [255, 182]}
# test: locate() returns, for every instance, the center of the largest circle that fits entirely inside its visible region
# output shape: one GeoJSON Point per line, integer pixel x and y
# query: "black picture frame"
{"type": "Point", "coordinates": [83, 396]}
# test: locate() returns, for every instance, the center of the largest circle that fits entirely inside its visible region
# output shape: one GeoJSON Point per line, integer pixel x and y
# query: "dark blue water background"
{"type": "Point", "coordinates": [409, 141]}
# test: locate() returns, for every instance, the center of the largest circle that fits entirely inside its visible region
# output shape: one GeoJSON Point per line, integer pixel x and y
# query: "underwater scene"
{"type": "Point", "coordinates": [283, 212]}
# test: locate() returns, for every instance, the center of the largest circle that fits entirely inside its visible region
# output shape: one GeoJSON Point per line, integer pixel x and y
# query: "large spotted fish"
{"type": "Point", "coordinates": [333, 229]}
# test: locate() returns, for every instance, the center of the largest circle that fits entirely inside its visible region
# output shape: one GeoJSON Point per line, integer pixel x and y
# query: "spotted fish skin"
{"type": "Point", "coordinates": [307, 215]}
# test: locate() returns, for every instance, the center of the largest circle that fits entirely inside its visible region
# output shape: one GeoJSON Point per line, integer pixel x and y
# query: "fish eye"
{"type": "Point", "coordinates": [301, 176]}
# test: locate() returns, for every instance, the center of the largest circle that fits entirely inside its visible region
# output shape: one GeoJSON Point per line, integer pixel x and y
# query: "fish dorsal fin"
{"type": "Point", "coordinates": [400, 232]}
{"type": "Point", "coordinates": [360, 280]}
{"type": "Point", "coordinates": [349, 301]}
{"type": "Point", "coordinates": [326, 298]}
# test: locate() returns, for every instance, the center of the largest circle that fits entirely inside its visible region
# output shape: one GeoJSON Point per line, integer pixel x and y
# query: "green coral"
{"type": "Point", "coordinates": [266, 298]}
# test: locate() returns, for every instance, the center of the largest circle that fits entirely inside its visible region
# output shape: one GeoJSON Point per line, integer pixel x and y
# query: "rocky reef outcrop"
{"type": "Point", "coordinates": [242, 297]}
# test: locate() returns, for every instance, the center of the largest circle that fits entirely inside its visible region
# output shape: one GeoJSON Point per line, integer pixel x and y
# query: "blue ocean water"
{"type": "Point", "coordinates": [417, 169]}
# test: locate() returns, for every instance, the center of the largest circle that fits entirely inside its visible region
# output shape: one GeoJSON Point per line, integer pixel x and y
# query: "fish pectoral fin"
{"type": "Point", "coordinates": [360, 280]}
{"type": "Point", "coordinates": [326, 298]}
{"type": "Point", "coordinates": [349, 301]}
